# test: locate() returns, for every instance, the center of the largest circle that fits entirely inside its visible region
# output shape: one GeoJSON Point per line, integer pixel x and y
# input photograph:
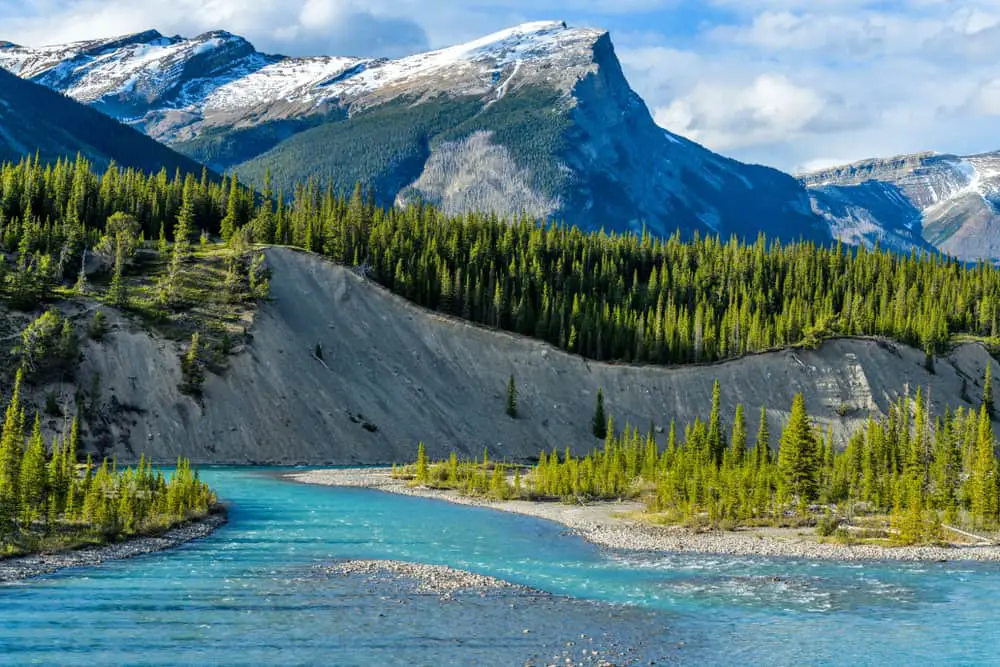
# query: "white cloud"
{"type": "Point", "coordinates": [986, 99]}
{"type": "Point", "coordinates": [801, 83]}
{"type": "Point", "coordinates": [768, 110]}
{"type": "Point", "coordinates": [818, 164]}
{"type": "Point", "coordinates": [295, 27]}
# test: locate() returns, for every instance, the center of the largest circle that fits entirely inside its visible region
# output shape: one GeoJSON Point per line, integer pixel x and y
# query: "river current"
{"type": "Point", "coordinates": [254, 593]}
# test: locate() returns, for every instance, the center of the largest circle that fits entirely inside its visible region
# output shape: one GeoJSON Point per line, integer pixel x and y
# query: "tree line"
{"type": "Point", "coordinates": [924, 472]}
{"type": "Point", "coordinates": [43, 492]}
{"type": "Point", "coordinates": [628, 297]}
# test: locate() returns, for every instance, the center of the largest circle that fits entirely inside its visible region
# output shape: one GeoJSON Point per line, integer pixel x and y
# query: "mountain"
{"type": "Point", "coordinates": [34, 118]}
{"type": "Point", "coordinates": [538, 118]}
{"type": "Point", "coordinates": [949, 202]}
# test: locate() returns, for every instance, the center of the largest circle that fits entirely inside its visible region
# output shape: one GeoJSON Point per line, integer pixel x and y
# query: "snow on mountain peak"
{"type": "Point", "coordinates": [134, 75]}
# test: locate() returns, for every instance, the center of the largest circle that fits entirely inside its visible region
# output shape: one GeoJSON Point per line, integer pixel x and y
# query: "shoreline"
{"type": "Point", "coordinates": [20, 568]}
{"type": "Point", "coordinates": [600, 524]}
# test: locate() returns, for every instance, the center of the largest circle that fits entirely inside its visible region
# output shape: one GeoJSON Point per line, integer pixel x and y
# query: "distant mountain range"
{"type": "Point", "coordinates": [34, 119]}
{"type": "Point", "coordinates": [537, 119]}
{"type": "Point", "coordinates": [926, 199]}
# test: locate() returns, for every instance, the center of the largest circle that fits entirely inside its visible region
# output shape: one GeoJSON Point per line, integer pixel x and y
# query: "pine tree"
{"type": "Point", "coordinates": [117, 293]}
{"type": "Point", "coordinates": [230, 221]}
{"type": "Point", "coordinates": [162, 245]}
{"type": "Point", "coordinates": [192, 370]}
{"type": "Point", "coordinates": [32, 479]}
{"type": "Point", "coordinates": [988, 389]}
{"type": "Point", "coordinates": [512, 398]}
{"type": "Point", "coordinates": [716, 445]}
{"type": "Point", "coordinates": [738, 441]}
{"type": "Point", "coordinates": [421, 476]}
{"type": "Point", "coordinates": [182, 242]}
{"type": "Point", "coordinates": [762, 445]}
{"type": "Point", "coordinates": [598, 424]}
{"type": "Point", "coordinates": [797, 456]}
{"type": "Point", "coordinates": [10, 457]}
{"type": "Point", "coordinates": [983, 479]}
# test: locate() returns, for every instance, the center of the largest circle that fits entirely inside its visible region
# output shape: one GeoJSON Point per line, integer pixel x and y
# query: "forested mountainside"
{"type": "Point", "coordinates": [538, 119]}
{"type": "Point", "coordinates": [949, 202]}
{"type": "Point", "coordinates": [352, 373]}
{"type": "Point", "coordinates": [35, 120]}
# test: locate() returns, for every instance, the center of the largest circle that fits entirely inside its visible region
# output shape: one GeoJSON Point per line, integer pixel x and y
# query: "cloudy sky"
{"type": "Point", "coordinates": [796, 84]}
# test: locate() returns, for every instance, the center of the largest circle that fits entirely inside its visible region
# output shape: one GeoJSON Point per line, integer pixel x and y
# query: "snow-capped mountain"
{"type": "Point", "coordinates": [948, 201]}
{"type": "Point", "coordinates": [538, 119]}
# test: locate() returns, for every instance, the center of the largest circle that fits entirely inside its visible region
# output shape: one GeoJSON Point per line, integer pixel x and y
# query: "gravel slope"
{"type": "Point", "coordinates": [393, 374]}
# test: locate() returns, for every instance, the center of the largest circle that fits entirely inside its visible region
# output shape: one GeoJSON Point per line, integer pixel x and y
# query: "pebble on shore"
{"type": "Point", "coordinates": [25, 567]}
{"type": "Point", "coordinates": [436, 579]}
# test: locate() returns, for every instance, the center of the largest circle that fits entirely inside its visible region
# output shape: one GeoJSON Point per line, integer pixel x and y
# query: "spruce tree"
{"type": "Point", "coordinates": [117, 294]}
{"type": "Point", "coordinates": [797, 456]}
{"type": "Point", "coordinates": [762, 445]}
{"type": "Point", "coordinates": [716, 445]}
{"type": "Point", "coordinates": [988, 389]}
{"type": "Point", "coordinates": [738, 441]}
{"type": "Point", "coordinates": [599, 423]}
{"type": "Point", "coordinates": [421, 475]}
{"type": "Point", "coordinates": [983, 479]}
{"type": "Point", "coordinates": [511, 398]}
{"type": "Point", "coordinates": [11, 442]}
{"type": "Point", "coordinates": [192, 369]}
{"type": "Point", "coordinates": [32, 479]}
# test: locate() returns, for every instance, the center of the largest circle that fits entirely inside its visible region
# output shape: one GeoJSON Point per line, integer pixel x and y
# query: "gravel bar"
{"type": "Point", "coordinates": [25, 567]}
{"type": "Point", "coordinates": [436, 579]}
{"type": "Point", "coordinates": [601, 524]}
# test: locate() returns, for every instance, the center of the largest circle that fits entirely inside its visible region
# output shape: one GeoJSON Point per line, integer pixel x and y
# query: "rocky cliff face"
{"type": "Point", "coordinates": [546, 106]}
{"type": "Point", "coordinates": [946, 201]}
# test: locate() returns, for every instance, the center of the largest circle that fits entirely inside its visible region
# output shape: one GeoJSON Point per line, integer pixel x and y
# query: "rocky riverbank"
{"type": "Point", "coordinates": [25, 567]}
{"type": "Point", "coordinates": [602, 524]}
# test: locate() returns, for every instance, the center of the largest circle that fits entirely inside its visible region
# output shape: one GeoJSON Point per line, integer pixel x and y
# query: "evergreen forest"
{"type": "Point", "coordinates": [628, 298]}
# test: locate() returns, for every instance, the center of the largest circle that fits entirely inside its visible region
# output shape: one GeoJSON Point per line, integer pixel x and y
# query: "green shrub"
{"type": "Point", "coordinates": [827, 525]}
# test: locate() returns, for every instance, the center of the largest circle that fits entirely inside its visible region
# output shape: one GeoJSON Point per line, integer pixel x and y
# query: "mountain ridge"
{"type": "Point", "coordinates": [36, 120]}
{"type": "Point", "coordinates": [945, 201]}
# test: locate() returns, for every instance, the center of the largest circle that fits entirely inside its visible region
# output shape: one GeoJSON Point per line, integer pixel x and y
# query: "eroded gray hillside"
{"type": "Point", "coordinates": [413, 375]}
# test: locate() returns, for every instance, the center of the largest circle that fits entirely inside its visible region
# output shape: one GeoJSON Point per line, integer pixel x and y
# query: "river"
{"type": "Point", "coordinates": [253, 593]}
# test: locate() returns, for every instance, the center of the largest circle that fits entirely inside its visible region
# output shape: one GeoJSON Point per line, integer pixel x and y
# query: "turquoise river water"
{"type": "Point", "coordinates": [253, 593]}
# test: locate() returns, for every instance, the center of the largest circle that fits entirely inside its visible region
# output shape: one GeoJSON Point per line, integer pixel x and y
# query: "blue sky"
{"type": "Point", "coordinates": [790, 83]}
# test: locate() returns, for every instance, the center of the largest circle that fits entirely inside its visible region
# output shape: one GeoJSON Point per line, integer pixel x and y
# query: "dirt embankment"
{"type": "Point", "coordinates": [392, 374]}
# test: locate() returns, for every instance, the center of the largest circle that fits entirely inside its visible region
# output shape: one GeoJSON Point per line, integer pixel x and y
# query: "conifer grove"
{"type": "Point", "coordinates": [43, 495]}
{"type": "Point", "coordinates": [924, 473]}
